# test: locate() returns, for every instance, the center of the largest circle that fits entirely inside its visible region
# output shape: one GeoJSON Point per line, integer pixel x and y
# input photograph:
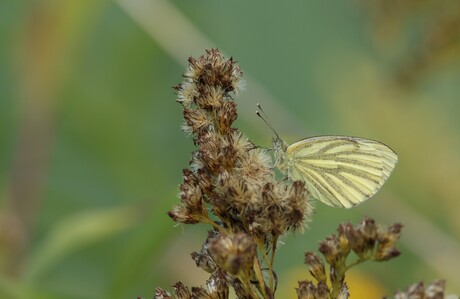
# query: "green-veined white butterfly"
{"type": "Point", "coordinates": [340, 171]}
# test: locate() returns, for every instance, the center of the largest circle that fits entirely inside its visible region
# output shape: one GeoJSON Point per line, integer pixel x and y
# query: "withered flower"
{"type": "Point", "coordinates": [234, 253]}
{"type": "Point", "coordinates": [306, 290]}
{"type": "Point", "coordinates": [181, 291]}
{"type": "Point", "coordinates": [343, 294]}
{"type": "Point", "coordinates": [367, 239]}
{"type": "Point", "coordinates": [418, 291]}
{"type": "Point", "coordinates": [203, 258]}
{"type": "Point", "coordinates": [316, 266]}
{"type": "Point", "coordinates": [386, 243]}
{"type": "Point", "coordinates": [162, 294]}
{"type": "Point", "coordinates": [331, 250]}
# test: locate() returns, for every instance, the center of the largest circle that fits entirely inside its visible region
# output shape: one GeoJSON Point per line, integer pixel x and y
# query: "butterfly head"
{"type": "Point", "coordinates": [279, 149]}
{"type": "Point", "coordinates": [279, 146]}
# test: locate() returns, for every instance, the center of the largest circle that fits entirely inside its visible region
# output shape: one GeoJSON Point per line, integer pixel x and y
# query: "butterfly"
{"type": "Point", "coordinates": [340, 171]}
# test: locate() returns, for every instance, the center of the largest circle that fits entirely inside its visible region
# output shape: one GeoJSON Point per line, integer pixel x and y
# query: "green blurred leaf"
{"type": "Point", "coordinates": [9, 289]}
{"type": "Point", "coordinates": [77, 232]}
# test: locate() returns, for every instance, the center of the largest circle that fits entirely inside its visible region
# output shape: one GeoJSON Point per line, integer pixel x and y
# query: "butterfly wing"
{"type": "Point", "coordinates": [341, 171]}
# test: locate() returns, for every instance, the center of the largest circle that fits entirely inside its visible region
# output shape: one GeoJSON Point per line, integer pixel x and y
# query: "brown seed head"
{"type": "Point", "coordinates": [387, 241]}
{"type": "Point", "coordinates": [162, 294]}
{"type": "Point", "coordinates": [343, 292]}
{"type": "Point", "coordinates": [200, 293]}
{"type": "Point", "coordinates": [416, 291]}
{"type": "Point", "coordinates": [344, 243]}
{"type": "Point", "coordinates": [435, 290]}
{"type": "Point", "coordinates": [306, 290]}
{"type": "Point", "coordinates": [322, 290]}
{"type": "Point", "coordinates": [192, 209]}
{"type": "Point", "coordinates": [368, 230]}
{"type": "Point", "coordinates": [331, 250]}
{"type": "Point", "coordinates": [181, 291]}
{"type": "Point", "coordinates": [234, 253]}
{"type": "Point", "coordinates": [315, 266]}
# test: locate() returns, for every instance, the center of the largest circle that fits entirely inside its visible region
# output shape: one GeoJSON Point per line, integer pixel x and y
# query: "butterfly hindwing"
{"type": "Point", "coordinates": [341, 171]}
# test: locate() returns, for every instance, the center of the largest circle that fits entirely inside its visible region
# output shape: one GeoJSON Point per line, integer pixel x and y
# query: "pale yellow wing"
{"type": "Point", "coordinates": [340, 171]}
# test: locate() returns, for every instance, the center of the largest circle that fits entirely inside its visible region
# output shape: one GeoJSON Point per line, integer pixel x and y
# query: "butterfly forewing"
{"type": "Point", "coordinates": [338, 170]}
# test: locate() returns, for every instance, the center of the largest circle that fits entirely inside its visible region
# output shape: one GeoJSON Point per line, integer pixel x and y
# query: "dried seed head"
{"type": "Point", "coordinates": [435, 290]}
{"type": "Point", "coordinates": [368, 229]}
{"type": "Point", "coordinates": [400, 295]}
{"type": "Point", "coordinates": [387, 241]}
{"type": "Point", "coordinates": [234, 253]}
{"type": "Point", "coordinates": [306, 290]}
{"type": "Point", "coordinates": [226, 116]}
{"type": "Point", "coordinates": [181, 291]}
{"type": "Point", "coordinates": [205, 182]}
{"type": "Point", "coordinates": [186, 93]}
{"type": "Point", "coordinates": [254, 166]}
{"type": "Point", "coordinates": [343, 292]}
{"type": "Point", "coordinates": [297, 205]}
{"type": "Point", "coordinates": [162, 294]}
{"type": "Point", "coordinates": [203, 258]}
{"type": "Point", "coordinates": [196, 122]}
{"type": "Point", "coordinates": [200, 293]}
{"type": "Point", "coordinates": [344, 243]}
{"type": "Point", "coordinates": [315, 266]}
{"type": "Point", "coordinates": [203, 261]}
{"type": "Point", "coordinates": [331, 250]}
{"type": "Point", "coordinates": [357, 241]}
{"type": "Point", "coordinates": [212, 69]}
{"type": "Point", "coordinates": [418, 291]}
{"type": "Point", "coordinates": [335, 276]}
{"type": "Point", "coordinates": [240, 292]}
{"type": "Point", "coordinates": [322, 290]}
{"type": "Point", "coordinates": [218, 285]}
{"type": "Point", "coordinates": [212, 98]}
{"type": "Point", "coordinates": [192, 209]}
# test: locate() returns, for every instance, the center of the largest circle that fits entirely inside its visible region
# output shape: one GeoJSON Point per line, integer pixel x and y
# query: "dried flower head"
{"type": "Point", "coordinates": [367, 240]}
{"type": "Point", "coordinates": [316, 266]}
{"type": "Point", "coordinates": [418, 291]}
{"type": "Point", "coordinates": [308, 290]}
{"type": "Point", "coordinates": [234, 253]}
{"type": "Point", "coordinates": [203, 258]}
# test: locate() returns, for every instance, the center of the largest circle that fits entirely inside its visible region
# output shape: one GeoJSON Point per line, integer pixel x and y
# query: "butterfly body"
{"type": "Point", "coordinates": [340, 171]}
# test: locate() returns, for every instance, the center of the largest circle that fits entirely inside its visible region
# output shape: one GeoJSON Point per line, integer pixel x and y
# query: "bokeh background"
{"type": "Point", "coordinates": [91, 152]}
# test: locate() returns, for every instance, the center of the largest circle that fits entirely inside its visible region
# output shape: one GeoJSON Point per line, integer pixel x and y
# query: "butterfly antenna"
{"type": "Point", "coordinates": [264, 117]}
{"type": "Point", "coordinates": [262, 110]}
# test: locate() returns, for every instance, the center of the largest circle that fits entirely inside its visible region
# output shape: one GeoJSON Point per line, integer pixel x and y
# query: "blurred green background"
{"type": "Point", "coordinates": [91, 152]}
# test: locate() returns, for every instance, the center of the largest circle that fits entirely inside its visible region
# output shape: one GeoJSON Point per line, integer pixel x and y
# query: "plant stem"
{"type": "Point", "coordinates": [208, 220]}
{"type": "Point", "coordinates": [356, 262]}
{"type": "Point", "coordinates": [260, 278]}
{"type": "Point", "coordinates": [272, 260]}
{"type": "Point", "coordinates": [267, 261]}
